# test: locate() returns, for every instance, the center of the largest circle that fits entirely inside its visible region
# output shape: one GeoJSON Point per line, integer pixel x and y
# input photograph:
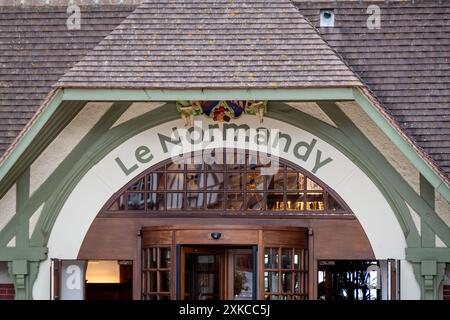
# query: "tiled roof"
{"type": "Point", "coordinates": [36, 49]}
{"type": "Point", "coordinates": [212, 44]}
{"type": "Point", "coordinates": [406, 63]}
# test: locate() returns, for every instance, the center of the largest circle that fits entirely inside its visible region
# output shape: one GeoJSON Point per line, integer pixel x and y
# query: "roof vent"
{"type": "Point", "coordinates": [326, 18]}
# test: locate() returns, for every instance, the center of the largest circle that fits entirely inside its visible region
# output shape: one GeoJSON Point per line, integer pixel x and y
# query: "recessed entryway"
{"type": "Point", "coordinates": [224, 263]}
{"type": "Point", "coordinates": [218, 273]}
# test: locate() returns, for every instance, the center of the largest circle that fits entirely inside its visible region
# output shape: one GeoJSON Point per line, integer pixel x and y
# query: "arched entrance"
{"type": "Point", "coordinates": [186, 221]}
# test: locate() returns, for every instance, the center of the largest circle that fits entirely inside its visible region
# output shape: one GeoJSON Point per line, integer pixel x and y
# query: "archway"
{"type": "Point", "coordinates": [283, 214]}
{"type": "Point", "coordinates": [104, 179]}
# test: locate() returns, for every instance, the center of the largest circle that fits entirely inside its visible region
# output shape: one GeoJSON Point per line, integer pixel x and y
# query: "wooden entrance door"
{"type": "Point", "coordinates": [203, 273]}
{"type": "Point", "coordinates": [217, 273]}
{"type": "Point", "coordinates": [210, 262]}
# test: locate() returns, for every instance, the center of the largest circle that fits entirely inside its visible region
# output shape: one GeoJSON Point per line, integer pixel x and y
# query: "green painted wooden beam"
{"type": "Point", "coordinates": [50, 122]}
{"type": "Point", "coordinates": [29, 253]}
{"type": "Point", "coordinates": [424, 168]}
{"type": "Point", "coordinates": [306, 94]}
{"type": "Point", "coordinates": [427, 194]}
{"type": "Point", "coordinates": [422, 254]}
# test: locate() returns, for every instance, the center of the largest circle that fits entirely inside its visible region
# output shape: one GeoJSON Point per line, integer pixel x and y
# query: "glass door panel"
{"type": "Point", "coordinates": [203, 278]}
{"type": "Point", "coordinates": [242, 274]}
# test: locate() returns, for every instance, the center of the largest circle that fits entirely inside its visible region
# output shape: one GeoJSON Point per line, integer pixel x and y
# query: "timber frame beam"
{"type": "Point", "coordinates": [79, 97]}
{"type": "Point", "coordinates": [65, 105]}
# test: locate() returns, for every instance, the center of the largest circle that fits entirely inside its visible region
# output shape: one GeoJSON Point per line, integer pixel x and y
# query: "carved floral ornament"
{"type": "Point", "coordinates": [220, 111]}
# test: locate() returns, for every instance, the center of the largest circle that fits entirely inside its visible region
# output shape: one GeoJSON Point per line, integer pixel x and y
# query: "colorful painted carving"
{"type": "Point", "coordinates": [221, 111]}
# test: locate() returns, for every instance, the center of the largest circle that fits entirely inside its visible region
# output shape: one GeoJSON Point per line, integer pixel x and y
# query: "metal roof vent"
{"type": "Point", "coordinates": [326, 18]}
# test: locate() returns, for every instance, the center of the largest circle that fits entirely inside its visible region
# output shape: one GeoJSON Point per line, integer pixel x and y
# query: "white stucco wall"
{"type": "Point", "coordinates": [313, 110]}
{"type": "Point", "coordinates": [105, 178]}
{"type": "Point", "coordinates": [7, 207]}
{"type": "Point", "coordinates": [382, 143]}
{"type": "Point", "coordinates": [442, 208]}
{"type": "Point", "coordinates": [65, 142]}
{"type": "Point", "coordinates": [137, 109]}
{"type": "Point", "coordinates": [4, 275]}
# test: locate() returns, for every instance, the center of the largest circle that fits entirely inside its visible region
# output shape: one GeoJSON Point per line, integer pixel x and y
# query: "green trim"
{"type": "Point", "coordinates": [121, 133]}
{"type": "Point", "coordinates": [28, 137]}
{"type": "Point", "coordinates": [63, 171]}
{"type": "Point", "coordinates": [53, 119]}
{"type": "Point", "coordinates": [49, 187]}
{"type": "Point", "coordinates": [30, 253]}
{"type": "Point", "coordinates": [427, 194]}
{"type": "Point", "coordinates": [424, 168]}
{"type": "Point", "coordinates": [421, 254]}
{"type": "Point", "coordinates": [305, 94]}
{"type": "Point", "coordinates": [24, 273]}
{"type": "Point", "coordinates": [378, 169]}
{"type": "Point", "coordinates": [22, 197]}
{"type": "Point", "coordinates": [99, 146]}
{"type": "Point", "coordinates": [388, 177]}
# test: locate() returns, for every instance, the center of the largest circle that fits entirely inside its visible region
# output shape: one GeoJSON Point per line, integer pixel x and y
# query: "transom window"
{"type": "Point", "coordinates": [235, 182]}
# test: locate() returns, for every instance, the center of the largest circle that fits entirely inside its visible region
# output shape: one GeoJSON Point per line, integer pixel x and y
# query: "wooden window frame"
{"type": "Point", "coordinates": [286, 167]}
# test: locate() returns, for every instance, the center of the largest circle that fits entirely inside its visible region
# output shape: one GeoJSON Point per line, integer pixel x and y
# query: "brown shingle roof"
{"type": "Point", "coordinates": [212, 44]}
{"type": "Point", "coordinates": [36, 49]}
{"type": "Point", "coordinates": [406, 63]}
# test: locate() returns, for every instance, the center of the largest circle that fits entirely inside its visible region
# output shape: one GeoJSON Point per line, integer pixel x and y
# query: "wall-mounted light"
{"type": "Point", "coordinates": [216, 235]}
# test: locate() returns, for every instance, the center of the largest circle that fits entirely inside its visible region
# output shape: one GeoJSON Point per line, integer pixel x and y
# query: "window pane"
{"type": "Point", "coordinates": [195, 163]}
{"type": "Point", "coordinates": [214, 201]}
{"type": "Point", "coordinates": [136, 201]}
{"type": "Point", "coordinates": [152, 279]}
{"type": "Point", "coordinates": [295, 201]}
{"type": "Point", "coordinates": [297, 259]}
{"type": "Point", "coordinates": [295, 181]}
{"type": "Point", "coordinates": [194, 181]}
{"type": "Point", "coordinates": [286, 282]}
{"type": "Point", "coordinates": [235, 181]}
{"type": "Point", "coordinates": [255, 181]}
{"type": "Point", "coordinates": [314, 201]}
{"type": "Point", "coordinates": [235, 201]}
{"type": "Point", "coordinates": [138, 186]}
{"type": "Point", "coordinates": [275, 201]}
{"type": "Point", "coordinates": [286, 258]}
{"type": "Point", "coordinates": [119, 204]}
{"type": "Point", "coordinates": [271, 258]}
{"type": "Point", "coordinates": [311, 185]}
{"type": "Point", "coordinates": [276, 182]}
{"type": "Point", "coordinates": [153, 258]}
{"type": "Point", "coordinates": [175, 181]}
{"type": "Point", "coordinates": [333, 205]}
{"type": "Point", "coordinates": [164, 282]}
{"type": "Point", "coordinates": [195, 200]}
{"type": "Point", "coordinates": [156, 181]}
{"type": "Point", "coordinates": [214, 159]}
{"type": "Point", "coordinates": [215, 181]}
{"type": "Point", "coordinates": [175, 201]}
{"type": "Point", "coordinates": [155, 201]}
{"type": "Point", "coordinates": [235, 160]}
{"type": "Point", "coordinates": [297, 283]}
{"type": "Point", "coordinates": [176, 166]}
{"type": "Point", "coordinates": [255, 201]}
{"type": "Point", "coordinates": [165, 258]}
{"type": "Point", "coordinates": [257, 160]}
{"type": "Point", "coordinates": [270, 281]}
